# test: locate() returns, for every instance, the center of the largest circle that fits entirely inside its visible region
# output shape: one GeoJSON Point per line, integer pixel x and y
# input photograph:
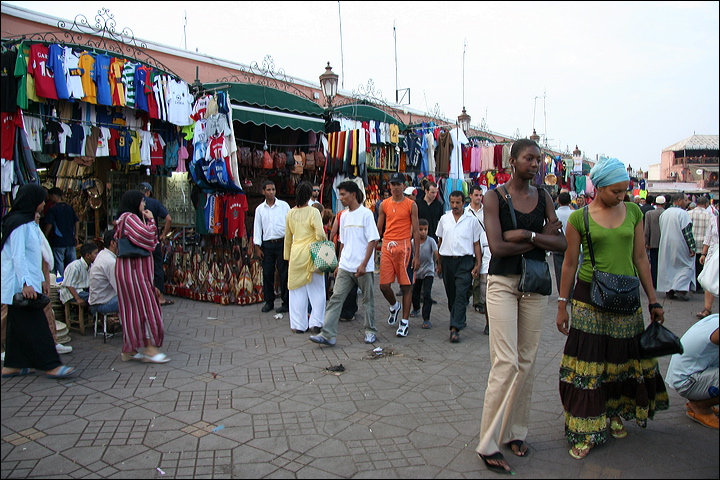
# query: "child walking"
{"type": "Point", "coordinates": [425, 275]}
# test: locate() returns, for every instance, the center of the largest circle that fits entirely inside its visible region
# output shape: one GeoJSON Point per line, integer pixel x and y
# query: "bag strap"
{"type": "Point", "coordinates": [587, 233]}
{"type": "Point", "coordinates": [508, 199]}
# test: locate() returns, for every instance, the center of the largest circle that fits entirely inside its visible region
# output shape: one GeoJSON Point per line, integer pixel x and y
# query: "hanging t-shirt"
{"type": "Point", "coordinates": [74, 144]}
{"type": "Point", "coordinates": [103, 143]}
{"type": "Point", "coordinates": [135, 149]}
{"type": "Point", "coordinates": [56, 63]}
{"type": "Point", "coordinates": [157, 154]}
{"type": "Point", "coordinates": [146, 142]}
{"type": "Point", "coordinates": [9, 84]}
{"type": "Point", "coordinates": [87, 65]}
{"type": "Point", "coordinates": [128, 80]}
{"type": "Point", "coordinates": [44, 81]}
{"type": "Point", "coordinates": [101, 77]}
{"type": "Point", "coordinates": [141, 77]}
{"type": "Point", "coordinates": [10, 122]}
{"type": "Point", "coordinates": [63, 137]}
{"type": "Point", "coordinates": [123, 146]}
{"type": "Point", "coordinates": [33, 127]}
{"type": "Point", "coordinates": [179, 103]}
{"type": "Point", "coordinates": [236, 207]}
{"type": "Point", "coordinates": [458, 139]}
{"type": "Point", "coordinates": [117, 87]}
{"type": "Point", "coordinates": [73, 75]}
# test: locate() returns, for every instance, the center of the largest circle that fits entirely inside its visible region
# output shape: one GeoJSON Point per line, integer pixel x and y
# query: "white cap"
{"type": "Point", "coordinates": [409, 191]}
{"type": "Point", "coordinates": [660, 200]}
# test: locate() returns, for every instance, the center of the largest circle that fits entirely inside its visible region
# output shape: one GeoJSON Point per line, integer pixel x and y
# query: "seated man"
{"type": "Point", "coordinates": [694, 374]}
{"type": "Point", "coordinates": [103, 287]}
{"type": "Point", "coordinates": [75, 284]}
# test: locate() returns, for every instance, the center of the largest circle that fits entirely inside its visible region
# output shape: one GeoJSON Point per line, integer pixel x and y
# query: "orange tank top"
{"type": "Point", "coordinates": [398, 219]}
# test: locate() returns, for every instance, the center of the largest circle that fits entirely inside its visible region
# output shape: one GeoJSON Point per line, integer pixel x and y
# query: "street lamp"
{"type": "Point", "coordinates": [329, 84]}
{"type": "Point", "coordinates": [464, 120]}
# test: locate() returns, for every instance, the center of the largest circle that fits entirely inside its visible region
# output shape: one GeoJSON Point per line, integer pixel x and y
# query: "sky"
{"type": "Point", "coordinates": [621, 79]}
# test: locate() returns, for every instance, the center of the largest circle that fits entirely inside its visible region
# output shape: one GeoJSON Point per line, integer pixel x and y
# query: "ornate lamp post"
{"type": "Point", "coordinates": [329, 84]}
{"type": "Point", "coordinates": [464, 120]}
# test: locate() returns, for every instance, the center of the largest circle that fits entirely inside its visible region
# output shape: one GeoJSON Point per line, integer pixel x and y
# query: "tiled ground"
{"type": "Point", "coordinates": [244, 397]}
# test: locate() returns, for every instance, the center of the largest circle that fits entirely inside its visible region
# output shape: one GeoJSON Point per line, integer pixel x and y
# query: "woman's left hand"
{"type": "Point", "coordinates": [657, 314]}
{"type": "Point", "coordinates": [515, 236]}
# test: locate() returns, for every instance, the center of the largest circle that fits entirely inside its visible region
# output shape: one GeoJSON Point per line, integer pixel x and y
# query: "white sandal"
{"type": "Point", "coordinates": [159, 358]}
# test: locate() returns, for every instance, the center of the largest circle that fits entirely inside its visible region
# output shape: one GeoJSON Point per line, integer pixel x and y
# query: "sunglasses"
{"type": "Point", "coordinates": [316, 189]}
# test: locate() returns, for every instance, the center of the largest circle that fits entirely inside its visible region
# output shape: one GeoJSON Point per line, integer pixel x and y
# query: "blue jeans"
{"type": "Point", "coordinates": [109, 307]}
{"type": "Point", "coordinates": [63, 256]}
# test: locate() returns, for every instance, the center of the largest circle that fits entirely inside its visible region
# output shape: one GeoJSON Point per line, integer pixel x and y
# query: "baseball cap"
{"type": "Point", "coordinates": [409, 191]}
{"type": "Point", "coordinates": [660, 200]}
{"type": "Point", "coordinates": [144, 186]}
{"type": "Point", "coordinates": [397, 177]}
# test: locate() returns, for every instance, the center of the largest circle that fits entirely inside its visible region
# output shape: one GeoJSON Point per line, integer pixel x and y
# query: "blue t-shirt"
{"type": "Point", "coordinates": [56, 63]}
{"type": "Point", "coordinates": [62, 217]}
{"type": "Point", "coordinates": [102, 79]}
{"type": "Point", "coordinates": [158, 210]}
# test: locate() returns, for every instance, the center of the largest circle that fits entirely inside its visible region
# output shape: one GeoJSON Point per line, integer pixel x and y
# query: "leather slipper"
{"type": "Point", "coordinates": [709, 420]}
{"type": "Point", "coordinates": [167, 302]}
{"type": "Point", "coordinates": [519, 448]}
{"type": "Point", "coordinates": [498, 457]}
{"type": "Point", "coordinates": [20, 373]}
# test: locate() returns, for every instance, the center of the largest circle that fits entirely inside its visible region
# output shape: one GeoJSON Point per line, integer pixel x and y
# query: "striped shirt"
{"type": "Point", "coordinates": [76, 276]}
{"type": "Point", "coordinates": [701, 219]}
{"type": "Point", "coordinates": [128, 78]}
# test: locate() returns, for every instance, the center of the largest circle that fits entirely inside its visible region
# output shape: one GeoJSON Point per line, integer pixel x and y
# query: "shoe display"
{"type": "Point", "coordinates": [267, 307]}
{"type": "Point", "coordinates": [370, 338]}
{"type": "Point", "coordinates": [282, 309]}
{"type": "Point", "coordinates": [60, 348]}
{"type": "Point", "coordinates": [402, 330]}
{"type": "Point", "coordinates": [415, 313]}
{"type": "Point", "coordinates": [392, 318]}
{"type": "Point", "coordinates": [322, 340]}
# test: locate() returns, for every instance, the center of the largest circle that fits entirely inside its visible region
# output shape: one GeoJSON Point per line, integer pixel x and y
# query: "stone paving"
{"type": "Point", "coordinates": [244, 397]}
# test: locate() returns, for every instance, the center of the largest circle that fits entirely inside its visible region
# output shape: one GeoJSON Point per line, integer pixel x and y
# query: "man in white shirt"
{"type": "Point", "coordinates": [358, 238]}
{"type": "Point", "coordinates": [315, 194]}
{"type": "Point", "coordinates": [103, 286]}
{"type": "Point", "coordinates": [563, 213]}
{"type": "Point", "coordinates": [475, 208]}
{"type": "Point", "coordinates": [269, 239]}
{"type": "Point", "coordinates": [76, 282]}
{"type": "Point", "coordinates": [460, 258]}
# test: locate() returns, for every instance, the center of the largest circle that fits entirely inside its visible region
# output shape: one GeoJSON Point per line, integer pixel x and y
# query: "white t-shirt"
{"type": "Point", "coordinates": [72, 75]}
{"type": "Point", "coordinates": [357, 230]}
{"type": "Point", "coordinates": [179, 103]}
{"type": "Point", "coordinates": [103, 148]}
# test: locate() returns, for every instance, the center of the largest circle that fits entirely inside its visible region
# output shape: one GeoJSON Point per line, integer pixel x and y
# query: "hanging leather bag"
{"type": "Point", "coordinates": [310, 161]}
{"type": "Point", "coordinates": [298, 167]}
{"type": "Point", "coordinates": [245, 156]}
{"type": "Point", "coordinates": [279, 160]}
{"type": "Point", "coordinates": [258, 158]}
{"type": "Point", "coordinates": [611, 292]}
{"type": "Point", "coordinates": [268, 162]}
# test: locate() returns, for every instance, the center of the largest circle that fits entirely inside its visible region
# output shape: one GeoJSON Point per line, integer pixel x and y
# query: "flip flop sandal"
{"type": "Point", "coordinates": [426, 324]}
{"type": "Point", "coordinates": [20, 373]}
{"type": "Point", "coordinates": [518, 448]}
{"type": "Point", "coordinates": [64, 372]}
{"type": "Point", "coordinates": [708, 420]}
{"type": "Point", "coordinates": [496, 468]}
{"type": "Point", "coordinates": [580, 451]}
{"type": "Point", "coordinates": [617, 429]}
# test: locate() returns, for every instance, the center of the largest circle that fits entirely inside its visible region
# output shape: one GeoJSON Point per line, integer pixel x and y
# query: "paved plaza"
{"type": "Point", "coordinates": [245, 397]}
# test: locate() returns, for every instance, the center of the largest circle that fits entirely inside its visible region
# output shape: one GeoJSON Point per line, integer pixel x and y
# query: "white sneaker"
{"type": "Point", "coordinates": [370, 338]}
{"type": "Point", "coordinates": [402, 330]}
{"type": "Point", "coordinates": [392, 319]}
{"type": "Point", "coordinates": [60, 348]}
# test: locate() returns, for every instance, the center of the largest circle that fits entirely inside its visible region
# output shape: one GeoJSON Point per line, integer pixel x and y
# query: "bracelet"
{"type": "Point", "coordinates": [562, 299]}
{"type": "Point", "coordinates": [653, 306]}
{"type": "Point", "coordinates": [532, 236]}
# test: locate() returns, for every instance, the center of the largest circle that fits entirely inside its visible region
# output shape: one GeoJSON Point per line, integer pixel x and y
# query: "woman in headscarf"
{"type": "Point", "coordinates": [303, 226]}
{"type": "Point", "coordinates": [29, 344]}
{"type": "Point", "coordinates": [602, 377]}
{"type": "Point", "coordinates": [138, 299]}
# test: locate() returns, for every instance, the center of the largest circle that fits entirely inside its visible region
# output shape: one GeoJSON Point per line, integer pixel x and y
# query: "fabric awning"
{"type": "Point", "coordinates": [366, 113]}
{"type": "Point", "coordinates": [262, 105]}
{"type": "Point", "coordinates": [273, 118]}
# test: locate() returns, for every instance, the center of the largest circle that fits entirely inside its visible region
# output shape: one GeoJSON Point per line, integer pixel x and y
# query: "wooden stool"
{"type": "Point", "coordinates": [105, 316]}
{"type": "Point", "coordinates": [70, 320]}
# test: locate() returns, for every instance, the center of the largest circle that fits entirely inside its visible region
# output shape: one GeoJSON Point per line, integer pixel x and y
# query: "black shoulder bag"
{"type": "Point", "coordinates": [534, 274]}
{"type": "Point", "coordinates": [127, 249]}
{"type": "Point", "coordinates": [609, 291]}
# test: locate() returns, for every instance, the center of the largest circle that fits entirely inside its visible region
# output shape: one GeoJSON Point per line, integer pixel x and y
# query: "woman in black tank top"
{"type": "Point", "coordinates": [515, 317]}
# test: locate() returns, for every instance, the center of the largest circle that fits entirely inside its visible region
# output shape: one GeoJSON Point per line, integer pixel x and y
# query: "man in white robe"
{"type": "Point", "coordinates": [676, 262]}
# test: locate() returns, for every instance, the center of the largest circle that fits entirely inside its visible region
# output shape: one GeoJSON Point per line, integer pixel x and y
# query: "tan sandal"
{"type": "Point", "coordinates": [580, 450]}
{"type": "Point", "coordinates": [703, 314]}
{"type": "Point", "coordinates": [617, 429]}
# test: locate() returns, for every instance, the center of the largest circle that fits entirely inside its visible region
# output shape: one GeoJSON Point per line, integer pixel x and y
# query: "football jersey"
{"type": "Point", "coordinates": [87, 64]}
{"type": "Point", "coordinates": [101, 76]}
{"type": "Point", "coordinates": [128, 80]}
{"type": "Point", "coordinates": [73, 74]}
{"type": "Point", "coordinates": [44, 81]}
{"type": "Point", "coordinates": [135, 149]}
{"type": "Point", "coordinates": [160, 91]}
{"type": "Point", "coordinates": [146, 141]}
{"type": "Point", "coordinates": [236, 208]}
{"type": "Point", "coordinates": [179, 103]}
{"type": "Point", "coordinates": [141, 74]}
{"type": "Point", "coordinates": [56, 63]}
{"type": "Point", "coordinates": [10, 122]}
{"type": "Point", "coordinates": [157, 154]}
{"type": "Point", "coordinates": [153, 111]}
{"type": "Point", "coordinates": [117, 87]}
{"type": "Point", "coordinates": [123, 146]}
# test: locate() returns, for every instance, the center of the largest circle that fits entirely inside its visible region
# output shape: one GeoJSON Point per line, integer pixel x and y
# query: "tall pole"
{"type": "Point", "coordinates": [463, 79]}
{"type": "Point", "coordinates": [342, 57]}
{"type": "Point", "coordinates": [397, 100]}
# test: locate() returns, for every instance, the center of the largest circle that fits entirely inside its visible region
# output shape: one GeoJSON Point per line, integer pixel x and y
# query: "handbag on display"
{"type": "Point", "coordinates": [279, 160]}
{"type": "Point", "coordinates": [268, 162]}
{"type": "Point", "coordinates": [611, 292]}
{"type": "Point", "coordinates": [127, 249]}
{"type": "Point", "coordinates": [245, 156]}
{"type": "Point", "coordinates": [323, 256]}
{"type": "Point", "coordinates": [319, 158]}
{"type": "Point", "coordinates": [658, 341]}
{"type": "Point", "coordinates": [310, 161]}
{"type": "Point", "coordinates": [258, 158]}
{"type": "Point", "coordinates": [41, 301]}
{"type": "Point", "coordinates": [299, 162]}
{"type": "Point", "coordinates": [534, 274]}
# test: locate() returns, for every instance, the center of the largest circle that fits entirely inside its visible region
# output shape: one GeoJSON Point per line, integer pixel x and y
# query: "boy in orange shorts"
{"type": "Point", "coordinates": [398, 224]}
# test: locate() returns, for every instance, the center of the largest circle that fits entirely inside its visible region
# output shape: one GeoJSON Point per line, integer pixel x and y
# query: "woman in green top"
{"type": "Point", "coordinates": [602, 377]}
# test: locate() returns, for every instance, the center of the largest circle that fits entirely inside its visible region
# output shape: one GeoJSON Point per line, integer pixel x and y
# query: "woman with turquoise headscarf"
{"type": "Point", "coordinates": [602, 377]}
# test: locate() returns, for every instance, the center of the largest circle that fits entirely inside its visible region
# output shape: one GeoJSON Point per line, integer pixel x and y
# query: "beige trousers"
{"type": "Point", "coordinates": [516, 323]}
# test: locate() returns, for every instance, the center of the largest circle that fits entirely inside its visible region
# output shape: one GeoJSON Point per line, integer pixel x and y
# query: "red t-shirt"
{"type": "Point", "coordinates": [156, 151]}
{"type": "Point", "coordinates": [236, 207]}
{"type": "Point", "coordinates": [44, 80]}
{"type": "Point", "coordinates": [10, 121]}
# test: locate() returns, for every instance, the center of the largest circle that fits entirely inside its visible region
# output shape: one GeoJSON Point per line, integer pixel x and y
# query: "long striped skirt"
{"type": "Point", "coordinates": [603, 376]}
{"type": "Point", "coordinates": [139, 308]}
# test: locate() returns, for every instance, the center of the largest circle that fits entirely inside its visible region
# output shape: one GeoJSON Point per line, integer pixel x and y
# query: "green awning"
{"type": "Point", "coordinates": [366, 113]}
{"type": "Point", "coordinates": [270, 98]}
{"type": "Point", "coordinates": [274, 118]}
